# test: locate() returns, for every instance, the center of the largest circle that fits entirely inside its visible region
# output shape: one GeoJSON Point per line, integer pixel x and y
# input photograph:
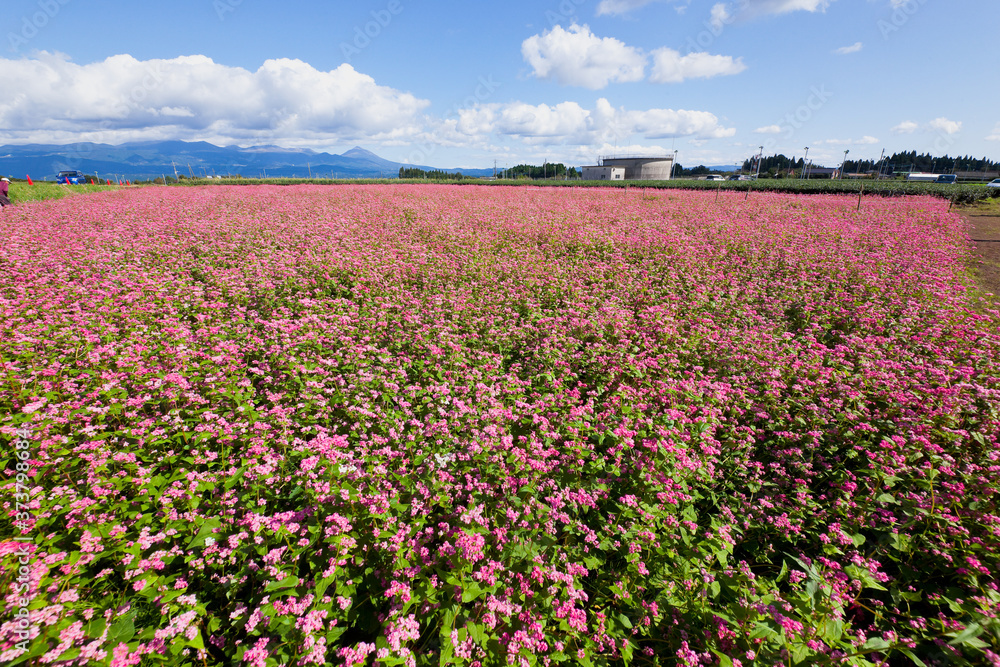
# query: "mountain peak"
{"type": "Point", "coordinates": [359, 152]}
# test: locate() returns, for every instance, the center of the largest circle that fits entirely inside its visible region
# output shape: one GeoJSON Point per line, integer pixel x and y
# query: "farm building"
{"type": "Point", "coordinates": [603, 173]}
{"type": "Point", "coordinates": [981, 176]}
{"type": "Point", "coordinates": [634, 168]}
{"type": "Point", "coordinates": [822, 172]}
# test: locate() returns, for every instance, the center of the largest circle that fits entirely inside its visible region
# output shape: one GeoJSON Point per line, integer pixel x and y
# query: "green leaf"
{"type": "Point", "coordinates": [800, 653]}
{"type": "Point", "coordinates": [322, 585]}
{"type": "Point", "coordinates": [763, 631]}
{"type": "Point", "coordinates": [812, 588]}
{"type": "Point", "coordinates": [38, 648]}
{"type": "Point", "coordinates": [207, 529]}
{"type": "Point", "coordinates": [627, 652]}
{"type": "Point", "coordinates": [834, 630]}
{"type": "Point", "coordinates": [901, 542]}
{"type": "Point", "coordinates": [122, 630]}
{"type": "Point", "coordinates": [625, 621]}
{"type": "Point", "coordinates": [234, 480]}
{"type": "Point", "coordinates": [291, 581]}
{"type": "Point", "coordinates": [971, 631]}
{"type": "Point", "coordinates": [96, 628]}
{"type": "Point", "coordinates": [471, 591]}
{"type": "Point", "coordinates": [909, 654]}
{"type": "Point", "coordinates": [197, 642]}
{"type": "Point", "coordinates": [477, 632]}
{"type": "Point", "coordinates": [333, 635]}
{"type": "Point", "coordinates": [864, 576]}
{"type": "Point", "coordinates": [876, 644]}
{"type": "Point", "coordinates": [724, 660]}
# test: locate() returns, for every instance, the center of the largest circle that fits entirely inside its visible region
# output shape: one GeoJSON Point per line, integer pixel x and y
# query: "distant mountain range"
{"type": "Point", "coordinates": [150, 159]}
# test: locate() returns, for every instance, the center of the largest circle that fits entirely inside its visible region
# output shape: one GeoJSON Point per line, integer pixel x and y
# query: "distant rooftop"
{"type": "Point", "coordinates": [635, 157]}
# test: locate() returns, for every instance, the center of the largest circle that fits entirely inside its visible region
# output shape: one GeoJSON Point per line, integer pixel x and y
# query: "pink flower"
{"type": "Point", "coordinates": [257, 656]}
{"type": "Point", "coordinates": [122, 658]}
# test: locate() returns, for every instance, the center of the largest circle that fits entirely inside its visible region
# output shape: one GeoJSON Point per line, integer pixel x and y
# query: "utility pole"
{"type": "Point", "coordinates": [843, 164]}
{"type": "Point", "coordinates": [805, 165]}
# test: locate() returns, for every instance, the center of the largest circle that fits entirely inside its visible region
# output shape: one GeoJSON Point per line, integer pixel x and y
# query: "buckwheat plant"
{"type": "Point", "coordinates": [423, 425]}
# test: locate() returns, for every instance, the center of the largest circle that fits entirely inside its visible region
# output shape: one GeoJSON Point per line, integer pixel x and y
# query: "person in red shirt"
{"type": "Point", "coordinates": [4, 187]}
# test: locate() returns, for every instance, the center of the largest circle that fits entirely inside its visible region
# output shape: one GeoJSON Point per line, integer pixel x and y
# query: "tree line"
{"type": "Point", "coordinates": [905, 161]}
{"type": "Point", "coordinates": [431, 174]}
{"type": "Point", "coordinates": [546, 170]}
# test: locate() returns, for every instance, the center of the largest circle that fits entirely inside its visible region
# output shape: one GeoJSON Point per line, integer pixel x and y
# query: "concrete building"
{"type": "Point", "coordinates": [604, 173]}
{"type": "Point", "coordinates": [635, 168]}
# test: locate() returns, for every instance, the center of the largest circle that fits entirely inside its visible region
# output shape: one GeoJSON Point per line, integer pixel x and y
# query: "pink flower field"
{"type": "Point", "coordinates": [472, 425]}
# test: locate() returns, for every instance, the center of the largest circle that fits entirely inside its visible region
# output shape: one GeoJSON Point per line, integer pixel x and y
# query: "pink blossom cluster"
{"type": "Point", "coordinates": [404, 424]}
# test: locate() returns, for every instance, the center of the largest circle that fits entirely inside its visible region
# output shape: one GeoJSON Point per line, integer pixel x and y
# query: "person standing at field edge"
{"type": "Point", "coordinates": [4, 187]}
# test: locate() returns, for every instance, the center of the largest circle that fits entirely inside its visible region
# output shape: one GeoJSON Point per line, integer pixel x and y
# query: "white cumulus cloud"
{"type": "Point", "coordinates": [939, 125]}
{"type": "Point", "coordinates": [569, 123]}
{"type": "Point", "coordinates": [786, 6]}
{"type": "Point", "coordinates": [719, 16]}
{"type": "Point", "coordinates": [768, 129]}
{"type": "Point", "coordinates": [618, 7]}
{"type": "Point", "coordinates": [945, 126]}
{"type": "Point", "coordinates": [995, 134]}
{"type": "Point", "coordinates": [725, 12]}
{"type": "Point", "coordinates": [853, 48]}
{"type": "Point", "coordinates": [670, 66]}
{"type": "Point", "coordinates": [122, 98]}
{"type": "Point", "coordinates": [578, 57]}
{"type": "Point", "coordinates": [906, 127]}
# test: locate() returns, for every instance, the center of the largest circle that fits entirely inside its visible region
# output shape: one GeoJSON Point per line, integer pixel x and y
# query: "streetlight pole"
{"type": "Point", "coordinates": [805, 164]}
{"type": "Point", "coordinates": [843, 165]}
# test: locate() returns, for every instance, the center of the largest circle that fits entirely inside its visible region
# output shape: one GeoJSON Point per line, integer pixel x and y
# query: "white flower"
{"type": "Point", "coordinates": [209, 541]}
{"type": "Point", "coordinates": [444, 459]}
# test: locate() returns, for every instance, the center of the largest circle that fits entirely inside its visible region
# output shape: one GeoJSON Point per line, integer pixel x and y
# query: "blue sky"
{"type": "Point", "coordinates": [456, 84]}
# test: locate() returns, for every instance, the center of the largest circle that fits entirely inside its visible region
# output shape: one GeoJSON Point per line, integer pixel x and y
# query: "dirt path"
{"type": "Point", "coordinates": [985, 234]}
